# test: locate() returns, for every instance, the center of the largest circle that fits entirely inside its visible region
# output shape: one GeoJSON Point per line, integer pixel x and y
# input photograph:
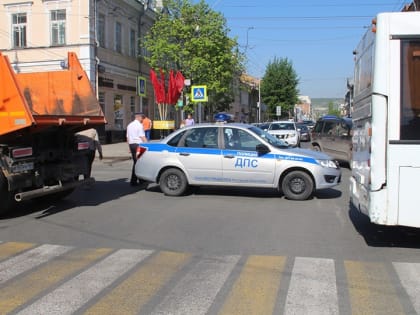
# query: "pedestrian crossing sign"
{"type": "Point", "coordinates": [141, 86]}
{"type": "Point", "coordinates": [199, 93]}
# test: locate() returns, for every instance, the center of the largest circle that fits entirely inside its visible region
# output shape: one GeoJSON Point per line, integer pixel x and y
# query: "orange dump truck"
{"type": "Point", "coordinates": [39, 115]}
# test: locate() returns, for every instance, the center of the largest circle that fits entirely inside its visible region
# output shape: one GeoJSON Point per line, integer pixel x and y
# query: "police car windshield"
{"type": "Point", "coordinates": [269, 138]}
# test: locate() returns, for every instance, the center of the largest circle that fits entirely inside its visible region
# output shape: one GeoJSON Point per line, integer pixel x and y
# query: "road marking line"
{"type": "Point", "coordinates": [31, 285]}
{"type": "Point", "coordinates": [312, 287]}
{"type": "Point", "coordinates": [141, 286]}
{"type": "Point", "coordinates": [14, 266]}
{"type": "Point", "coordinates": [409, 274]}
{"type": "Point", "coordinates": [370, 289]}
{"type": "Point", "coordinates": [12, 248]}
{"type": "Point", "coordinates": [73, 294]}
{"type": "Point", "coordinates": [195, 293]}
{"type": "Point", "coordinates": [255, 291]}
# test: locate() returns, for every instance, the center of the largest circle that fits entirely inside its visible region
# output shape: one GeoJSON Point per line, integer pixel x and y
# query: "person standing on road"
{"type": "Point", "coordinates": [147, 126]}
{"type": "Point", "coordinates": [90, 136]}
{"type": "Point", "coordinates": [135, 135]}
{"type": "Point", "coordinates": [189, 121]}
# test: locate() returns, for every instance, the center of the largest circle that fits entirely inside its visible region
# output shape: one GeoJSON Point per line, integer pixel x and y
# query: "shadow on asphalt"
{"type": "Point", "coordinates": [100, 192]}
{"type": "Point", "coordinates": [382, 235]}
{"type": "Point", "coordinates": [248, 192]}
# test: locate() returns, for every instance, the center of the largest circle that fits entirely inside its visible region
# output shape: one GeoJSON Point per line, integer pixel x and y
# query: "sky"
{"type": "Point", "coordinates": [318, 37]}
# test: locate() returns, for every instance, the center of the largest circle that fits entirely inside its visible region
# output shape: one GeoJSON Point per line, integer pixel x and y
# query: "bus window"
{"type": "Point", "coordinates": [410, 90]}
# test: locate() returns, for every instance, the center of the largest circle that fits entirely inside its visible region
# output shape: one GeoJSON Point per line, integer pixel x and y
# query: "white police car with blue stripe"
{"type": "Point", "coordinates": [233, 155]}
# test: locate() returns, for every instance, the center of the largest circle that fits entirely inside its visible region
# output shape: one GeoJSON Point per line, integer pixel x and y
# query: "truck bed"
{"type": "Point", "coordinates": [40, 99]}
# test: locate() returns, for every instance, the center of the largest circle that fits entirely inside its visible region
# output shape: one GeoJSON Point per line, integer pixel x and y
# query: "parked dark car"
{"type": "Point", "coordinates": [309, 123]}
{"type": "Point", "coordinates": [332, 135]}
{"type": "Point", "coordinates": [304, 132]}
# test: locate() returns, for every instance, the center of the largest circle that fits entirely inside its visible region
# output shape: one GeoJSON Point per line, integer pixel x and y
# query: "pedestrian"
{"type": "Point", "coordinates": [135, 135]}
{"type": "Point", "coordinates": [147, 126]}
{"type": "Point", "coordinates": [189, 121]}
{"type": "Point", "coordinates": [90, 136]}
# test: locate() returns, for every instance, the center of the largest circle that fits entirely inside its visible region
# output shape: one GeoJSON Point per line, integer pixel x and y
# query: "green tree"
{"type": "Point", "coordinates": [332, 110]}
{"type": "Point", "coordinates": [279, 87]}
{"type": "Point", "coordinates": [193, 39]}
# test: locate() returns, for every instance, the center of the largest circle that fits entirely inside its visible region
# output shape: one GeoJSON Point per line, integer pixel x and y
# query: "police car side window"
{"type": "Point", "coordinates": [192, 138]}
{"type": "Point", "coordinates": [238, 139]}
{"type": "Point", "coordinates": [248, 141]}
{"type": "Point", "coordinates": [210, 138]}
{"type": "Point", "coordinates": [175, 140]}
{"type": "Point", "coordinates": [201, 138]}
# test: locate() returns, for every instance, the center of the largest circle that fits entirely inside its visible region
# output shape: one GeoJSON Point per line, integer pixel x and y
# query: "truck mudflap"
{"type": "Point", "coordinates": [48, 190]}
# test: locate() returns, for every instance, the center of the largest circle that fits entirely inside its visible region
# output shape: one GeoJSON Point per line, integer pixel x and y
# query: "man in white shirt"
{"type": "Point", "coordinates": [135, 135]}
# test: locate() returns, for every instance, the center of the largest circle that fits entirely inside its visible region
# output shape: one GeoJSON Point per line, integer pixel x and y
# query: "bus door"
{"type": "Point", "coordinates": [404, 152]}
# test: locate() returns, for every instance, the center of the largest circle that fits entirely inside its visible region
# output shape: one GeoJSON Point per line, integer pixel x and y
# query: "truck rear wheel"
{"type": "Point", "coordinates": [6, 197]}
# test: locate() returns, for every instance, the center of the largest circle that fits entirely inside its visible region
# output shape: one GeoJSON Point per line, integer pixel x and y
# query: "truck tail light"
{"type": "Point", "coordinates": [140, 150]}
{"type": "Point", "coordinates": [82, 145]}
{"type": "Point", "coordinates": [22, 152]}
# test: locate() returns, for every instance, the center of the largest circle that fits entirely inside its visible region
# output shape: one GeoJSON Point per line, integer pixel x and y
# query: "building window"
{"type": "Point", "coordinates": [100, 27]}
{"type": "Point", "coordinates": [58, 27]}
{"type": "Point", "coordinates": [19, 30]}
{"type": "Point", "coordinates": [101, 99]}
{"type": "Point", "coordinates": [133, 42]}
{"type": "Point", "coordinates": [118, 37]}
{"type": "Point", "coordinates": [132, 105]}
{"type": "Point", "coordinates": [118, 112]}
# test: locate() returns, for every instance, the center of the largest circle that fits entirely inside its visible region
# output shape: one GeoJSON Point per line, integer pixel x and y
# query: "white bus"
{"type": "Point", "coordinates": [385, 181]}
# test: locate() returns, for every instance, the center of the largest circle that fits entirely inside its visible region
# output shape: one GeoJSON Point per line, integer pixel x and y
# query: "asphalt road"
{"type": "Point", "coordinates": [224, 240]}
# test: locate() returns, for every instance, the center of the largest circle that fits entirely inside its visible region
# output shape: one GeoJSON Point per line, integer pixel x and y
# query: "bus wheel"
{"type": "Point", "coordinates": [297, 185]}
{"type": "Point", "coordinates": [173, 182]}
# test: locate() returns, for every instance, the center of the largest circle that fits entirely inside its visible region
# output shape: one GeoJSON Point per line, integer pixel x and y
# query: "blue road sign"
{"type": "Point", "coordinates": [199, 93]}
{"type": "Point", "coordinates": [141, 86]}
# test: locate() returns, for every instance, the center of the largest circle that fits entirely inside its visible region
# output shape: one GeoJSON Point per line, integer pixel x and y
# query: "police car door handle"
{"type": "Point", "coordinates": [229, 156]}
{"type": "Point", "coordinates": [184, 154]}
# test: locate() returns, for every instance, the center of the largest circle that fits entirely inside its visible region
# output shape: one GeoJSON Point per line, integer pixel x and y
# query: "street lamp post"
{"type": "Point", "coordinates": [247, 32]}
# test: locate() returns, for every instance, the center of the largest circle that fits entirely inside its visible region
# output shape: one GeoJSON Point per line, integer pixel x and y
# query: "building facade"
{"type": "Point", "coordinates": [37, 35]}
{"type": "Point", "coordinates": [303, 110]}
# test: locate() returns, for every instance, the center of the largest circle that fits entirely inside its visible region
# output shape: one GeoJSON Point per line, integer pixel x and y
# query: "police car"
{"type": "Point", "coordinates": [233, 155]}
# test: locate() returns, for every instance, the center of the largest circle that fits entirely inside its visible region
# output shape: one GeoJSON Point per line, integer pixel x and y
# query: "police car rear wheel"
{"type": "Point", "coordinates": [173, 182]}
{"type": "Point", "coordinates": [297, 185]}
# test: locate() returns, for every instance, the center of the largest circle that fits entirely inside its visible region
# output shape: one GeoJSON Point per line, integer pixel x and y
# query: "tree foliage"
{"type": "Point", "coordinates": [279, 86]}
{"type": "Point", "coordinates": [193, 39]}
{"type": "Point", "coordinates": [333, 110]}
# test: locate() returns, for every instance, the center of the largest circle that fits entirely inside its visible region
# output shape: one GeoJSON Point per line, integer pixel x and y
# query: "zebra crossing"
{"type": "Point", "coordinates": [54, 279]}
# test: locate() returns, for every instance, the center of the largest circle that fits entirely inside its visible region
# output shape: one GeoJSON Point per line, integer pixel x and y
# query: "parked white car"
{"type": "Point", "coordinates": [233, 155]}
{"type": "Point", "coordinates": [286, 131]}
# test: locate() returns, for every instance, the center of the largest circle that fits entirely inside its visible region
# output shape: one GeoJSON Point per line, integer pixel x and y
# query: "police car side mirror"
{"type": "Point", "coordinates": [262, 149]}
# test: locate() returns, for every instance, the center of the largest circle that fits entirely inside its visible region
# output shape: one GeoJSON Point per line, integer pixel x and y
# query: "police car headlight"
{"type": "Point", "coordinates": [328, 163]}
{"type": "Point", "coordinates": [290, 135]}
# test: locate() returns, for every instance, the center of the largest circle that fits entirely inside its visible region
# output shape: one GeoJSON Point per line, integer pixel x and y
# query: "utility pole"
{"type": "Point", "coordinates": [259, 100]}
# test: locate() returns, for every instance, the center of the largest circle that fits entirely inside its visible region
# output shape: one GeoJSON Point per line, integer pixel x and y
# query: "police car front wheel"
{"type": "Point", "coordinates": [297, 185]}
{"type": "Point", "coordinates": [173, 182]}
